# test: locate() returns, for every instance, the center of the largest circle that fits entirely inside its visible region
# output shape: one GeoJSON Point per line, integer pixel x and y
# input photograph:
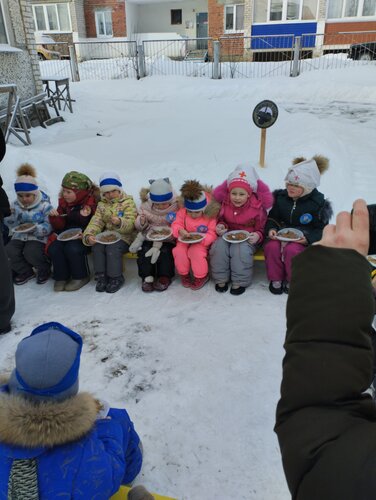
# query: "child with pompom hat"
{"type": "Point", "coordinates": [299, 206]}
{"type": "Point", "coordinates": [197, 213]}
{"type": "Point", "coordinates": [244, 201]}
{"type": "Point", "coordinates": [26, 248]}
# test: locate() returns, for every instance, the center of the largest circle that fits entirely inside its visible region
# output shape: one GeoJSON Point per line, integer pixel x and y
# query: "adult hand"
{"type": "Point", "coordinates": [272, 234]}
{"type": "Point", "coordinates": [54, 213]}
{"type": "Point", "coordinates": [350, 231]}
{"type": "Point", "coordinates": [91, 240]}
{"type": "Point", "coordinates": [220, 229]}
{"type": "Point", "coordinates": [85, 211]}
{"type": "Point", "coordinates": [253, 238]}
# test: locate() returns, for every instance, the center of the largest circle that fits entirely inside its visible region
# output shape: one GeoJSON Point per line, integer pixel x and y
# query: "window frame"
{"type": "Point", "coordinates": [181, 17]}
{"type": "Point", "coordinates": [103, 12]}
{"type": "Point", "coordinates": [46, 21]}
{"type": "Point", "coordinates": [5, 23]}
{"type": "Point", "coordinates": [343, 17]}
{"type": "Point", "coordinates": [284, 14]}
{"type": "Point", "coordinates": [233, 30]}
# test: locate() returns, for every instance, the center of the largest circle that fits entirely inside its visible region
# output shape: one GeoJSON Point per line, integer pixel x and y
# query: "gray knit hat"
{"type": "Point", "coordinates": [160, 190]}
{"type": "Point", "coordinates": [47, 364]}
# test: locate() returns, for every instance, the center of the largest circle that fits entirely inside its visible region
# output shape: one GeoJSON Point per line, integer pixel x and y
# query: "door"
{"type": "Point", "coordinates": [202, 29]}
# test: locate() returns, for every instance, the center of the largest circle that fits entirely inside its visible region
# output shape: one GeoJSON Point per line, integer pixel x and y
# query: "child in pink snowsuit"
{"type": "Point", "coordinates": [245, 200]}
{"type": "Point", "coordinates": [197, 214]}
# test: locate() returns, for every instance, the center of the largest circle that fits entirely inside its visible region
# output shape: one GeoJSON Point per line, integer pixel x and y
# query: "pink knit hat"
{"type": "Point", "coordinates": [244, 177]}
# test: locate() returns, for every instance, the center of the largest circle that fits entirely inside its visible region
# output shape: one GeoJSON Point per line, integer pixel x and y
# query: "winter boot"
{"type": "Point", "coordinates": [186, 280]}
{"type": "Point", "coordinates": [237, 290]}
{"type": "Point", "coordinates": [114, 284]}
{"type": "Point", "coordinates": [139, 493]}
{"type": "Point", "coordinates": [42, 276]}
{"type": "Point", "coordinates": [59, 285]}
{"type": "Point", "coordinates": [276, 287]}
{"type": "Point", "coordinates": [147, 284]}
{"type": "Point", "coordinates": [21, 279]}
{"type": "Point", "coordinates": [101, 282]}
{"type": "Point", "coordinates": [162, 283]}
{"type": "Point", "coordinates": [286, 287]}
{"type": "Point", "coordinates": [199, 282]}
{"type": "Point", "coordinates": [221, 287]}
{"type": "Point", "coordinates": [74, 285]}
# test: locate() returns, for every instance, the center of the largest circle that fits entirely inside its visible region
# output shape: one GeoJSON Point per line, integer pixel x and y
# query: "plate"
{"type": "Point", "coordinates": [107, 237]}
{"type": "Point", "coordinates": [159, 233]}
{"type": "Point", "coordinates": [231, 236]}
{"type": "Point", "coordinates": [26, 227]}
{"type": "Point", "coordinates": [372, 260]}
{"type": "Point", "coordinates": [74, 233]}
{"type": "Point", "coordinates": [280, 235]}
{"type": "Point", "coordinates": [194, 238]}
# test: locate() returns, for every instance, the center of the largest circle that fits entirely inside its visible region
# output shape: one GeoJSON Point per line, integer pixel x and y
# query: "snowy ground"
{"type": "Point", "coordinates": [199, 372]}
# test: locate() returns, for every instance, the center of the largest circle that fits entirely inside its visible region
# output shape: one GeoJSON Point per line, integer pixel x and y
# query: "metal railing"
{"type": "Point", "coordinates": [228, 57]}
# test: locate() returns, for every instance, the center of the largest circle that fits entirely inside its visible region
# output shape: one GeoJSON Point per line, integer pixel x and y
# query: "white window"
{"type": "Point", "coordinates": [103, 22]}
{"type": "Point", "coordinates": [234, 17]}
{"type": "Point", "coordinates": [53, 17]}
{"type": "Point", "coordinates": [3, 30]}
{"type": "Point", "coordinates": [284, 10]}
{"type": "Point", "coordinates": [338, 9]}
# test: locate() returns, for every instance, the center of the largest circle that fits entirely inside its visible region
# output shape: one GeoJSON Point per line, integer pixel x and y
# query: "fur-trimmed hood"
{"type": "Point", "coordinates": [29, 424]}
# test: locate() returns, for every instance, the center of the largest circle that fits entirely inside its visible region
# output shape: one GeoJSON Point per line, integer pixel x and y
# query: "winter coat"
{"type": "Point", "coordinates": [77, 455]}
{"type": "Point", "coordinates": [154, 217]}
{"type": "Point", "coordinates": [4, 202]}
{"type": "Point", "coordinates": [124, 208]}
{"type": "Point", "coordinates": [36, 213]}
{"type": "Point", "coordinates": [204, 224]}
{"type": "Point", "coordinates": [72, 217]}
{"type": "Point", "coordinates": [251, 216]}
{"type": "Point", "coordinates": [325, 424]}
{"type": "Point", "coordinates": [310, 214]}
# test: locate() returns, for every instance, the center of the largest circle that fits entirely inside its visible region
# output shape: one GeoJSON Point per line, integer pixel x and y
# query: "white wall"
{"type": "Point", "coordinates": [156, 18]}
{"type": "Point", "coordinates": [131, 14]}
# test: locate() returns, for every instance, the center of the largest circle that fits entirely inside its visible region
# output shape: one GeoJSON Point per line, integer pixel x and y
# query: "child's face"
{"type": "Point", "coordinates": [26, 199]}
{"type": "Point", "coordinates": [111, 195]}
{"type": "Point", "coordinates": [294, 191]}
{"type": "Point", "coordinates": [194, 215]}
{"type": "Point", "coordinates": [160, 206]}
{"type": "Point", "coordinates": [69, 195]}
{"type": "Point", "coordinates": [238, 196]}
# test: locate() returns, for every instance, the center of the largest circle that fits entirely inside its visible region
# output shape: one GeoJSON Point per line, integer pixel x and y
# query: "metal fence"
{"type": "Point", "coordinates": [227, 57]}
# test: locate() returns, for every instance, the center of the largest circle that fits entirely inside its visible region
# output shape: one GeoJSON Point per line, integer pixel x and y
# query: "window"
{"type": "Point", "coordinates": [3, 31]}
{"type": "Point", "coordinates": [234, 17]}
{"type": "Point", "coordinates": [284, 10]}
{"type": "Point", "coordinates": [103, 22]}
{"type": "Point", "coordinates": [176, 16]}
{"type": "Point", "coordinates": [52, 17]}
{"type": "Point", "coordinates": [338, 9]}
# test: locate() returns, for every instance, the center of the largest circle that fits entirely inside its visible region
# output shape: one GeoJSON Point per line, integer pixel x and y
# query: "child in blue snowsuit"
{"type": "Point", "coordinates": [54, 441]}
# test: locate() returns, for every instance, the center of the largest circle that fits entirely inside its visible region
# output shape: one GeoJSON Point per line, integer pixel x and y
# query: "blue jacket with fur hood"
{"type": "Point", "coordinates": [78, 455]}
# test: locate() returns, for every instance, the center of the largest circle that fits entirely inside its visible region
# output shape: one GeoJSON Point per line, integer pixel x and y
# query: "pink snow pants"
{"type": "Point", "coordinates": [187, 256]}
{"type": "Point", "coordinates": [278, 259]}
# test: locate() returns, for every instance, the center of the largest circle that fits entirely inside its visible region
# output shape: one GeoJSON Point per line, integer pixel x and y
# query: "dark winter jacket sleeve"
{"type": "Point", "coordinates": [274, 216]}
{"type": "Point", "coordinates": [4, 202]}
{"type": "Point", "coordinates": [326, 426]}
{"type": "Point", "coordinates": [320, 220]}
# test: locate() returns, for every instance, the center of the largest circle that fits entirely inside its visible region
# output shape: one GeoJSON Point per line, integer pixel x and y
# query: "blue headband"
{"type": "Point", "coordinates": [25, 187]}
{"type": "Point", "coordinates": [70, 377]}
{"type": "Point", "coordinates": [195, 206]}
{"type": "Point", "coordinates": [110, 182]}
{"type": "Point", "coordinates": [160, 198]}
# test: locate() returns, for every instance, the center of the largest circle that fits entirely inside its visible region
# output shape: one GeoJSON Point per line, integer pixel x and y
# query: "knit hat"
{"type": "Point", "coordinates": [194, 196]}
{"type": "Point", "coordinates": [244, 177]}
{"type": "Point", "coordinates": [160, 190]}
{"type": "Point", "coordinates": [307, 173]}
{"type": "Point", "coordinates": [109, 181]}
{"type": "Point", "coordinates": [47, 363]}
{"type": "Point", "coordinates": [26, 181]}
{"type": "Point", "coordinates": [2, 145]}
{"type": "Point", "coordinates": [76, 181]}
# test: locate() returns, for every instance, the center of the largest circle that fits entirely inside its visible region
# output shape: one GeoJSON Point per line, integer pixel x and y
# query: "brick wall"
{"type": "Point", "coordinates": [118, 16]}
{"type": "Point", "coordinates": [332, 30]}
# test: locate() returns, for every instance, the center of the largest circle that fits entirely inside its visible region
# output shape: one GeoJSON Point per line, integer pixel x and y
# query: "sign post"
{"type": "Point", "coordinates": [264, 116]}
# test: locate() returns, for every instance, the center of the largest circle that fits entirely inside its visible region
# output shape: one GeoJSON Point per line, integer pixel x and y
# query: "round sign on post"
{"type": "Point", "coordinates": [264, 116]}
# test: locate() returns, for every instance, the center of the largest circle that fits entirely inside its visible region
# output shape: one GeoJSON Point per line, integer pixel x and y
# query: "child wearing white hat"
{"type": "Point", "coordinates": [115, 212]}
{"type": "Point", "coordinates": [299, 206]}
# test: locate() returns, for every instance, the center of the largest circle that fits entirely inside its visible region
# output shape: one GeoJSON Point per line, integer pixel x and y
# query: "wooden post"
{"type": "Point", "coordinates": [262, 147]}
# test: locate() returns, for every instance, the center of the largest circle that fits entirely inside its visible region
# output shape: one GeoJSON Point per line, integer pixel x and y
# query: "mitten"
{"type": "Point", "coordinates": [220, 229]}
{"type": "Point", "coordinates": [137, 243]}
{"type": "Point", "coordinates": [253, 238]}
{"type": "Point", "coordinates": [154, 251]}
